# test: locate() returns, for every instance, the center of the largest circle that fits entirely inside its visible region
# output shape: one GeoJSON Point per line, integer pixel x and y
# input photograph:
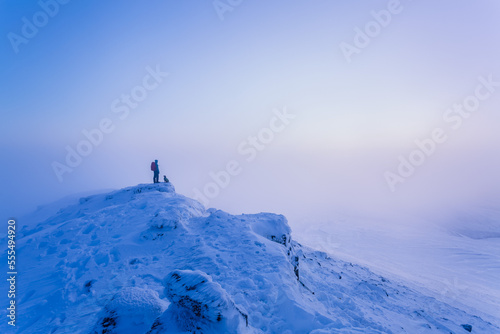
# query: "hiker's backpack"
{"type": "Point", "coordinates": [153, 166]}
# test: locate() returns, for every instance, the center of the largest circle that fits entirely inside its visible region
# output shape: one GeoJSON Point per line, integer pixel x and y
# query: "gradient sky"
{"type": "Point", "coordinates": [353, 119]}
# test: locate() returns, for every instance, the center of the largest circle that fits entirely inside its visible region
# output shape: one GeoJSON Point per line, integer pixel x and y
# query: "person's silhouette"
{"type": "Point", "coordinates": [156, 171]}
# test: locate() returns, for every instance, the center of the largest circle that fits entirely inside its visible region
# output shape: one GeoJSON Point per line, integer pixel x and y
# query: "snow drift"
{"type": "Point", "coordinates": [145, 259]}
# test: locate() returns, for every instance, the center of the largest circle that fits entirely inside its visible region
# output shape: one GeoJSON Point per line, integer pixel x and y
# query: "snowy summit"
{"type": "Point", "coordinates": [145, 259]}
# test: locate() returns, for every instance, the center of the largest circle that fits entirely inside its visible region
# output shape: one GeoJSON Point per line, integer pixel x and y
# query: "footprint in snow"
{"type": "Point", "coordinates": [94, 242]}
{"type": "Point", "coordinates": [51, 250]}
{"type": "Point", "coordinates": [115, 255]}
{"type": "Point", "coordinates": [101, 259]}
{"type": "Point", "coordinates": [88, 229]}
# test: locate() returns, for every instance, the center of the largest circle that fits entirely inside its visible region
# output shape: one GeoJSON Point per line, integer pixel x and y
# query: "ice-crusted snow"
{"type": "Point", "coordinates": [145, 259]}
{"type": "Point", "coordinates": [199, 304]}
{"type": "Point", "coordinates": [131, 310]}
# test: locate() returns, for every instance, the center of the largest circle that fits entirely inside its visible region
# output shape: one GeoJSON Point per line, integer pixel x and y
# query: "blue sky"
{"type": "Point", "coordinates": [225, 78]}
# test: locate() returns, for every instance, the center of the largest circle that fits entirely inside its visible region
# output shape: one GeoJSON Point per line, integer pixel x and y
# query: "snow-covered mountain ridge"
{"type": "Point", "coordinates": [145, 259]}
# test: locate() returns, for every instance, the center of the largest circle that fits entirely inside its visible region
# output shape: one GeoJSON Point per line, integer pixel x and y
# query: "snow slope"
{"type": "Point", "coordinates": [147, 260]}
{"type": "Point", "coordinates": [453, 256]}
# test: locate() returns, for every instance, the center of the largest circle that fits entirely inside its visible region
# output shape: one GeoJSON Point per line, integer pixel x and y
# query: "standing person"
{"type": "Point", "coordinates": [156, 171]}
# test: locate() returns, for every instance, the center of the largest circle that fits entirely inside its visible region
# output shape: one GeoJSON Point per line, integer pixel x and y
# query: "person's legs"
{"type": "Point", "coordinates": [156, 177]}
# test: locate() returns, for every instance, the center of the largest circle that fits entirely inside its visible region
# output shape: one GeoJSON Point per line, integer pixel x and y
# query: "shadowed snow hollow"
{"type": "Point", "coordinates": [145, 259]}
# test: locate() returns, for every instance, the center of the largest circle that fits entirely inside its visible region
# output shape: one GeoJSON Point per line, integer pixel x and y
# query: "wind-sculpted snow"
{"type": "Point", "coordinates": [145, 259]}
{"type": "Point", "coordinates": [130, 311]}
{"type": "Point", "coordinates": [198, 305]}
